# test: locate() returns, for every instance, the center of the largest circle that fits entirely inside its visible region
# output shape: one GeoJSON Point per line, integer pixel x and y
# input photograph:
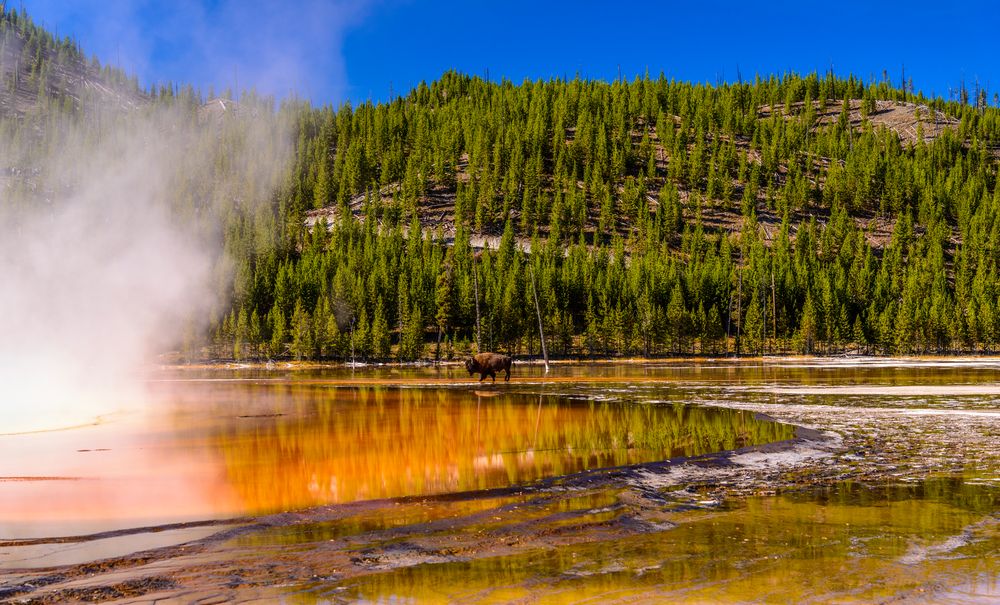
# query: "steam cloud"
{"type": "Point", "coordinates": [110, 246]}
{"type": "Point", "coordinates": [273, 47]}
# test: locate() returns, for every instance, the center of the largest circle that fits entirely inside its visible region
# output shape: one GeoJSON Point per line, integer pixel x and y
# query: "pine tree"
{"type": "Point", "coordinates": [380, 338]}
{"type": "Point", "coordinates": [278, 327]}
{"type": "Point", "coordinates": [412, 340]}
{"type": "Point", "coordinates": [333, 337]}
{"type": "Point", "coordinates": [677, 319]}
{"type": "Point", "coordinates": [713, 329]}
{"type": "Point", "coordinates": [444, 298]}
{"type": "Point", "coordinates": [302, 335]}
{"type": "Point", "coordinates": [753, 331]}
{"type": "Point", "coordinates": [240, 334]}
{"type": "Point", "coordinates": [808, 327]}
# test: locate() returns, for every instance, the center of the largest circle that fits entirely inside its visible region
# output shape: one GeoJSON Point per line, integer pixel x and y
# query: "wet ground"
{"type": "Point", "coordinates": [776, 481]}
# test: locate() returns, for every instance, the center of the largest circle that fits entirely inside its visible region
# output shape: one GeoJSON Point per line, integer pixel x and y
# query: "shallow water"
{"type": "Point", "coordinates": [470, 465]}
{"type": "Point", "coordinates": [222, 449]}
{"type": "Point", "coordinates": [769, 371]}
{"type": "Point", "coordinates": [847, 544]}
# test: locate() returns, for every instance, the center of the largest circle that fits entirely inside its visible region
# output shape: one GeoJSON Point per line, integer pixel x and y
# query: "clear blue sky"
{"type": "Point", "coordinates": [335, 50]}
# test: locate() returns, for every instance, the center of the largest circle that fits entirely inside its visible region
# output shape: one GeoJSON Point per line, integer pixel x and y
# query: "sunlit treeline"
{"type": "Point", "coordinates": [662, 218]}
{"type": "Point", "coordinates": [778, 214]}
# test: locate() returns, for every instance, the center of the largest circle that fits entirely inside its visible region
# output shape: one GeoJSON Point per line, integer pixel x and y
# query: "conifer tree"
{"type": "Point", "coordinates": [278, 327]}
{"type": "Point", "coordinates": [380, 338]}
{"type": "Point", "coordinates": [754, 326]}
{"type": "Point", "coordinates": [302, 335]}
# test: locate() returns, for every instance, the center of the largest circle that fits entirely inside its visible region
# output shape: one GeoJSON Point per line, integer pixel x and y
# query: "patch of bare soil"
{"type": "Point", "coordinates": [910, 121]}
{"type": "Point", "coordinates": [127, 590]}
{"type": "Point", "coordinates": [437, 215]}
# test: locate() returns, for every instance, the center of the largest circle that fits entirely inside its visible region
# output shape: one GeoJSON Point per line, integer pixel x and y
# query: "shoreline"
{"type": "Point", "coordinates": [229, 364]}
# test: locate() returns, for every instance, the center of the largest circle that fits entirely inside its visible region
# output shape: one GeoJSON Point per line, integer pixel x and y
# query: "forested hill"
{"type": "Point", "coordinates": [41, 73]}
{"type": "Point", "coordinates": [785, 214]}
{"type": "Point", "coordinates": [811, 214]}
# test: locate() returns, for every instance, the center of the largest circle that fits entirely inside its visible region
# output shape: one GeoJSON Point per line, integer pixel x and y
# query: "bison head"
{"type": "Point", "coordinates": [470, 365]}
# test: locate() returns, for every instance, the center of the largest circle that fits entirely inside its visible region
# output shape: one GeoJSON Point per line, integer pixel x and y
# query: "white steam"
{"type": "Point", "coordinates": [109, 248]}
{"type": "Point", "coordinates": [272, 47]}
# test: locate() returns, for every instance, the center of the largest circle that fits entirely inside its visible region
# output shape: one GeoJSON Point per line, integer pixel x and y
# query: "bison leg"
{"type": "Point", "coordinates": [507, 378]}
{"type": "Point", "coordinates": [493, 375]}
{"type": "Point", "coordinates": [482, 376]}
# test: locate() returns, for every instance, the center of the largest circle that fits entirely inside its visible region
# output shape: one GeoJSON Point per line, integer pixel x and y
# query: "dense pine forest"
{"type": "Point", "coordinates": [783, 214]}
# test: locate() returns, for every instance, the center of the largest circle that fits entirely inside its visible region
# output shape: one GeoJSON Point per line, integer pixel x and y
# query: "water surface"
{"type": "Point", "coordinates": [938, 541]}
{"type": "Point", "coordinates": [393, 462]}
{"type": "Point", "coordinates": [210, 449]}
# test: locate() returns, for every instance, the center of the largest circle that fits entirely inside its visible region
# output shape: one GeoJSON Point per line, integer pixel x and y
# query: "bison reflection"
{"type": "Point", "coordinates": [488, 364]}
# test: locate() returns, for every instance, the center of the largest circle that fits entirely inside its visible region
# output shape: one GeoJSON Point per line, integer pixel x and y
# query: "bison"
{"type": "Point", "coordinates": [488, 364]}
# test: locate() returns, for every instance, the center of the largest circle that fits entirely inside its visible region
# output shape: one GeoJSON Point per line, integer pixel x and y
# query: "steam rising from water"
{"type": "Point", "coordinates": [109, 248]}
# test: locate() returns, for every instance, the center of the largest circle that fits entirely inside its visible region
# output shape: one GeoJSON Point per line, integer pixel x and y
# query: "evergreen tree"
{"type": "Point", "coordinates": [278, 327]}
{"type": "Point", "coordinates": [677, 319]}
{"type": "Point", "coordinates": [754, 327]}
{"type": "Point", "coordinates": [380, 338]}
{"type": "Point", "coordinates": [444, 298]}
{"type": "Point", "coordinates": [302, 335]}
{"type": "Point", "coordinates": [808, 328]}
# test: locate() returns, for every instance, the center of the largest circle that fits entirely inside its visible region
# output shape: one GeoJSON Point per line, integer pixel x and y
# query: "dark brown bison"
{"type": "Point", "coordinates": [488, 364]}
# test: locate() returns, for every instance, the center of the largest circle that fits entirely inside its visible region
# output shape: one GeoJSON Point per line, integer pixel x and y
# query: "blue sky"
{"type": "Point", "coordinates": [337, 50]}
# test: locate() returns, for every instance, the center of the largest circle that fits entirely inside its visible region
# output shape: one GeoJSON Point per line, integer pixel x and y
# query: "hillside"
{"type": "Point", "coordinates": [652, 217]}
{"type": "Point", "coordinates": [911, 122]}
{"type": "Point", "coordinates": [38, 70]}
{"type": "Point", "coordinates": [792, 214]}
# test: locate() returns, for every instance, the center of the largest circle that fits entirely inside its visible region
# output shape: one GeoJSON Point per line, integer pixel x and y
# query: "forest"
{"type": "Point", "coordinates": [789, 213]}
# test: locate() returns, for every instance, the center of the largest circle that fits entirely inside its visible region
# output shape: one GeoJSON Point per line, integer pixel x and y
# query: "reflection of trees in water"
{"type": "Point", "coordinates": [339, 445]}
{"type": "Point", "coordinates": [850, 543]}
{"type": "Point", "coordinates": [950, 491]}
